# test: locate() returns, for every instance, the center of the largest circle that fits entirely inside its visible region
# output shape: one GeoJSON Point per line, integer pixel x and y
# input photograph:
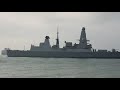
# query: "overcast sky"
{"type": "Point", "coordinates": [19, 29]}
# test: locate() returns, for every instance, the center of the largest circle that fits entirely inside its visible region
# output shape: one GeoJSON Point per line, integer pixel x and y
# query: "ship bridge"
{"type": "Point", "coordinates": [43, 46]}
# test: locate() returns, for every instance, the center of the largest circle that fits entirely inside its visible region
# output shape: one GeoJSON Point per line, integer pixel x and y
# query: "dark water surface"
{"type": "Point", "coordinates": [58, 68]}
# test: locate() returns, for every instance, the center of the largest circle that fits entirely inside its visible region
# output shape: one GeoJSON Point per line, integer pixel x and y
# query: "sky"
{"type": "Point", "coordinates": [21, 29]}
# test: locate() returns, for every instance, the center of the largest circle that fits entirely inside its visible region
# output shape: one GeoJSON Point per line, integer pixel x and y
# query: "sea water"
{"type": "Point", "coordinates": [26, 67]}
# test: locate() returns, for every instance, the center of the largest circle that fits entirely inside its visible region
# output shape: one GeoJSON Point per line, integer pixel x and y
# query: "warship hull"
{"type": "Point", "coordinates": [63, 54]}
{"type": "Point", "coordinates": [81, 50]}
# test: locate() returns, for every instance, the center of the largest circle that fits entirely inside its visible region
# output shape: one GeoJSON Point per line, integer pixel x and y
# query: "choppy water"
{"type": "Point", "coordinates": [58, 68]}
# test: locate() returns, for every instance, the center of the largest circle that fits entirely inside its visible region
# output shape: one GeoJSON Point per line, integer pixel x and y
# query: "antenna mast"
{"type": "Point", "coordinates": [24, 47]}
{"type": "Point", "coordinates": [57, 42]}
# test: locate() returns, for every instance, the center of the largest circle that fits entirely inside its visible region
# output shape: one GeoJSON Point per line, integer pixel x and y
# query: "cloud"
{"type": "Point", "coordinates": [23, 28]}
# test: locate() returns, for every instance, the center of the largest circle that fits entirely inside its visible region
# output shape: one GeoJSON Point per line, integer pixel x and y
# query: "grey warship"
{"type": "Point", "coordinates": [81, 50]}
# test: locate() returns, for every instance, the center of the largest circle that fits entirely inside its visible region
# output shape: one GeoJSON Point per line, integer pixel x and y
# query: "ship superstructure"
{"type": "Point", "coordinates": [83, 46]}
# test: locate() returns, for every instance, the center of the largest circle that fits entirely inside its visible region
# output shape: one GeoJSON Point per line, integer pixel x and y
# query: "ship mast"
{"type": "Point", "coordinates": [83, 39]}
{"type": "Point", "coordinates": [57, 40]}
{"type": "Point", "coordinates": [24, 47]}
